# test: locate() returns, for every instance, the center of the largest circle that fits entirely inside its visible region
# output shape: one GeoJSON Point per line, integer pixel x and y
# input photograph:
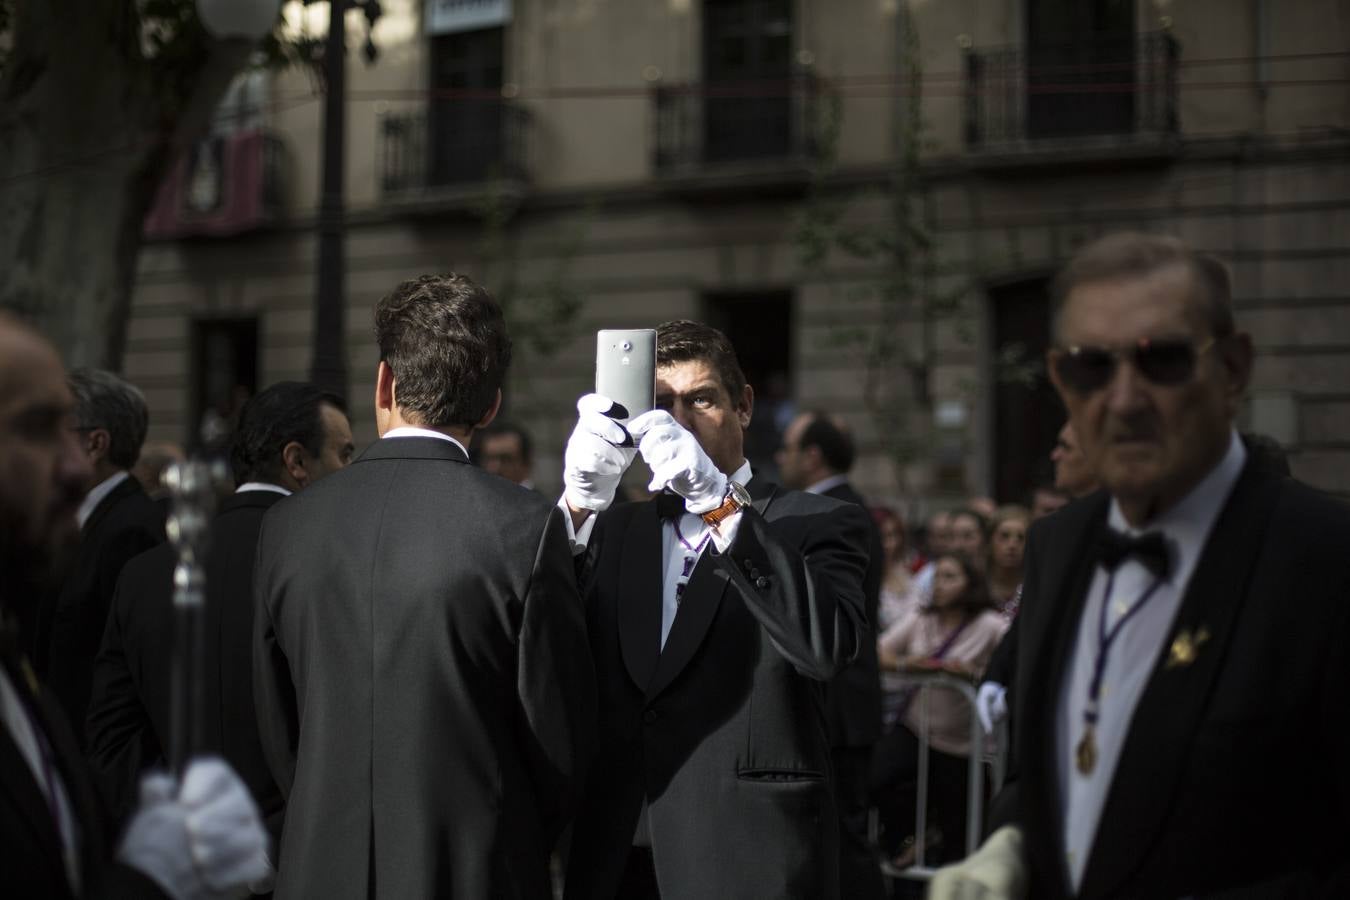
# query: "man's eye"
{"type": "Point", "coordinates": [702, 402]}
{"type": "Point", "coordinates": [664, 403]}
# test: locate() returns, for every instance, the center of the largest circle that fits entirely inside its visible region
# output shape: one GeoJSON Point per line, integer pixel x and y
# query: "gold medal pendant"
{"type": "Point", "coordinates": [1087, 752]}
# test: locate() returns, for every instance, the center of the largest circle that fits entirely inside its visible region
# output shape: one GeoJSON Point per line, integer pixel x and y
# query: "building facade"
{"type": "Point", "coordinates": [809, 176]}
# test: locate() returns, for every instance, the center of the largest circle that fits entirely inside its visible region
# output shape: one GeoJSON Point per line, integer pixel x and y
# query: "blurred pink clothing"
{"type": "Point", "coordinates": [918, 634]}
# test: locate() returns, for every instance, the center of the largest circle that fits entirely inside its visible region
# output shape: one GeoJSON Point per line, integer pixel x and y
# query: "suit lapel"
{"type": "Point", "coordinates": [1069, 566]}
{"type": "Point", "coordinates": [1173, 702]}
{"type": "Point", "coordinates": [702, 597]}
{"type": "Point", "coordinates": [639, 611]}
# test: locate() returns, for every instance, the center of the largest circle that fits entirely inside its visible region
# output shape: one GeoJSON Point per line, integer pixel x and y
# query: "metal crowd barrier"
{"type": "Point", "coordinates": [981, 754]}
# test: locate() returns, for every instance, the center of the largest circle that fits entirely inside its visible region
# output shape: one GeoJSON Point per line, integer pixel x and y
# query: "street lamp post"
{"type": "Point", "coordinates": [328, 367]}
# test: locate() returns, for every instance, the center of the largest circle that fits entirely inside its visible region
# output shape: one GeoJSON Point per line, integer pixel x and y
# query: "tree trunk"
{"type": "Point", "coordinates": [88, 127]}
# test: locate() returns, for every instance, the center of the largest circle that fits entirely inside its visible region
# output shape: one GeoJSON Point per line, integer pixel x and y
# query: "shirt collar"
{"type": "Point", "coordinates": [96, 495]}
{"type": "Point", "coordinates": [1187, 524]}
{"type": "Point", "coordinates": [742, 475]}
{"type": "Point", "coordinates": [406, 431]}
{"type": "Point", "coordinates": [827, 484]}
{"type": "Point", "coordinates": [262, 486]}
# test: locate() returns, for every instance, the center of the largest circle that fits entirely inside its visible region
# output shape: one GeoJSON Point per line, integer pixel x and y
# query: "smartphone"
{"type": "Point", "coordinates": [625, 370]}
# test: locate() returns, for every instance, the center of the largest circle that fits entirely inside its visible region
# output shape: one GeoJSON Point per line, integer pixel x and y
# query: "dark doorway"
{"type": "Point", "coordinates": [1027, 412]}
{"type": "Point", "coordinates": [466, 126]}
{"type": "Point", "coordinates": [759, 326]}
{"type": "Point", "coordinates": [1080, 67]}
{"type": "Point", "coordinates": [747, 69]}
{"type": "Point", "coordinates": [224, 376]}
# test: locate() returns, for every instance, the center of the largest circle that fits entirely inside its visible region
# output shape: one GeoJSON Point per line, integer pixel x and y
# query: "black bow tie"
{"type": "Point", "coordinates": [669, 505]}
{"type": "Point", "coordinates": [1149, 548]}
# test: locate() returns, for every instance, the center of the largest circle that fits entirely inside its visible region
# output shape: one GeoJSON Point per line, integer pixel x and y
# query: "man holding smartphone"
{"type": "Point", "coordinates": [717, 612]}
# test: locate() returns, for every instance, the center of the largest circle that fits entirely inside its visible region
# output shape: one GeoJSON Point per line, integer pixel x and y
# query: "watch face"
{"type": "Point", "coordinates": [740, 493]}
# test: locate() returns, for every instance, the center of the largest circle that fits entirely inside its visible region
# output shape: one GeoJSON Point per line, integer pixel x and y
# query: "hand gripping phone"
{"type": "Point", "coordinates": [625, 370]}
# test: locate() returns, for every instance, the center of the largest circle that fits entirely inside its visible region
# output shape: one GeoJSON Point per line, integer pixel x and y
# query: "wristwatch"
{"type": "Point", "coordinates": [737, 497]}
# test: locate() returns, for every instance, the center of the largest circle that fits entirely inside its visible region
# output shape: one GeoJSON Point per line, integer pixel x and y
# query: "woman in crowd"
{"type": "Point", "coordinates": [1007, 540]}
{"type": "Point", "coordinates": [897, 584]}
{"type": "Point", "coordinates": [956, 633]}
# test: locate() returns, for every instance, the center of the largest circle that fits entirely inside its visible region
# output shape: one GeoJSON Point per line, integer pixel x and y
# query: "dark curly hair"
{"type": "Point", "coordinates": [445, 339]}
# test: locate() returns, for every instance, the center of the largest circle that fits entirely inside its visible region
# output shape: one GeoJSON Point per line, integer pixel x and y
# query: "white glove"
{"type": "Point", "coordinates": [991, 704]}
{"type": "Point", "coordinates": [594, 462]}
{"type": "Point", "coordinates": [995, 871]}
{"type": "Point", "coordinates": [206, 842]}
{"type": "Point", "coordinates": [678, 461]}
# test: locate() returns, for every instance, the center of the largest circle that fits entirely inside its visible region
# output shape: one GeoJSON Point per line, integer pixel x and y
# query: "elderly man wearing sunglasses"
{"type": "Point", "coordinates": [1180, 690]}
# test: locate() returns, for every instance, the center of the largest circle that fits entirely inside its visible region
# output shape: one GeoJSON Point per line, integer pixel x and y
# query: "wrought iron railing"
{"type": "Point", "coordinates": [453, 142]}
{"type": "Point", "coordinates": [697, 125]}
{"type": "Point", "coordinates": [1101, 87]}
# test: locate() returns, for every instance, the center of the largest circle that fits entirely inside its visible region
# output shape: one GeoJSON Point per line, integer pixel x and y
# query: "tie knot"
{"type": "Point", "coordinates": [1149, 548]}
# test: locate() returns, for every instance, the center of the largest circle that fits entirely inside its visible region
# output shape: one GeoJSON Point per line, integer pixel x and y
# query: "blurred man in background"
{"type": "Point", "coordinates": [117, 521]}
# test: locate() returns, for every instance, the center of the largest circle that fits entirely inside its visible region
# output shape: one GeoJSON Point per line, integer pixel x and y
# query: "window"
{"type": "Point", "coordinates": [1080, 67]}
{"type": "Point", "coordinates": [466, 122]}
{"type": "Point", "coordinates": [747, 74]}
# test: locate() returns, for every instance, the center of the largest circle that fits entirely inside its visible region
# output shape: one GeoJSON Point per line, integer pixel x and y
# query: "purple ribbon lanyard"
{"type": "Point", "coordinates": [1087, 746]}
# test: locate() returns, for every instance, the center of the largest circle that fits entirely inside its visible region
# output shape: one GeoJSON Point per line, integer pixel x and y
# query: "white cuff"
{"type": "Point", "coordinates": [725, 533]}
{"type": "Point", "coordinates": [577, 537]}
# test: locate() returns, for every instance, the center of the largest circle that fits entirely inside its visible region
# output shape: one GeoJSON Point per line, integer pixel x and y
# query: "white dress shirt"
{"type": "Point", "coordinates": [827, 484]}
{"type": "Point", "coordinates": [97, 493]}
{"type": "Point", "coordinates": [404, 431]}
{"type": "Point", "coordinates": [694, 532]}
{"type": "Point", "coordinates": [1129, 664]}
{"type": "Point", "coordinates": [262, 486]}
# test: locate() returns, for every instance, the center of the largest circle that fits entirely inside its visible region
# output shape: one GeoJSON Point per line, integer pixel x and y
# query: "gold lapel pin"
{"type": "Point", "coordinates": [1186, 647]}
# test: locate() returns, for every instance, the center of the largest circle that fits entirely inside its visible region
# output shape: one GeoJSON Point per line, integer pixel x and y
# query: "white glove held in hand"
{"type": "Point", "coordinates": [592, 462]}
{"type": "Point", "coordinates": [678, 462]}
{"type": "Point", "coordinates": [991, 704]}
{"type": "Point", "coordinates": [993, 872]}
{"type": "Point", "coordinates": [205, 842]}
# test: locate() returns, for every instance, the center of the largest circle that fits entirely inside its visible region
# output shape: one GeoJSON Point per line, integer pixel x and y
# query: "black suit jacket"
{"type": "Point", "coordinates": [1234, 774]}
{"type": "Point", "coordinates": [724, 731]}
{"type": "Point", "coordinates": [128, 728]}
{"type": "Point", "coordinates": [425, 696]}
{"type": "Point", "coordinates": [855, 693]}
{"type": "Point", "coordinates": [124, 524]}
{"type": "Point", "coordinates": [31, 860]}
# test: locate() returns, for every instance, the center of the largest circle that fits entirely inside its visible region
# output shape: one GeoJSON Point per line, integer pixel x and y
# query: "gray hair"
{"type": "Point", "coordinates": [103, 400]}
{"type": "Point", "coordinates": [1137, 255]}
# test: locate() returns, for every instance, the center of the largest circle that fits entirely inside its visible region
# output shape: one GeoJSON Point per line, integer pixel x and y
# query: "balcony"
{"type": "Point", "coordinates": [228, 184]}
{"type": "Point", "coordinates": [1102, 101]}
{"type": "Point", "coordinates": [743, 135]}
{"type": "Point", "coordinates": [446, 156]}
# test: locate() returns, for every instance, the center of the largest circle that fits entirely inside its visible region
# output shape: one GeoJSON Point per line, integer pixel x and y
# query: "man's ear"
{"type": "Point", "coordinates": [746, 407]}
{"type": "Point", "coordinates": [293, 458]}
{"type": "Point", "coordinates": [384, 387]}
{"type": "Point", "coordinates": [492, 412]}
{"type": "Point", "coordinates": [96, 444]}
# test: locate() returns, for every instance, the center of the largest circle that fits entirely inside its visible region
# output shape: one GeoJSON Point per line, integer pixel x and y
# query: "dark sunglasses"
{"type": "Point", "coordinates": [1163, 362]}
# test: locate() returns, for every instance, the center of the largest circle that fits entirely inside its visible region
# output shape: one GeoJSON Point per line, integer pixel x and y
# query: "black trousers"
{"type": "Point", "coordinates": [859, 869]}
{"type": "Point", "coordinates": [894, 787]}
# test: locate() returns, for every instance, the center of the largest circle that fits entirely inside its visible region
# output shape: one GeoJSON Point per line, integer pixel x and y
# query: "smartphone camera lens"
{"type": "Point", "coordinates": [627, 345]}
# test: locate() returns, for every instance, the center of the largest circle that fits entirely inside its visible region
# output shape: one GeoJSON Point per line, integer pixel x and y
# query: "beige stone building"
{"type": "Point", "coordinates": [654, 159]}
